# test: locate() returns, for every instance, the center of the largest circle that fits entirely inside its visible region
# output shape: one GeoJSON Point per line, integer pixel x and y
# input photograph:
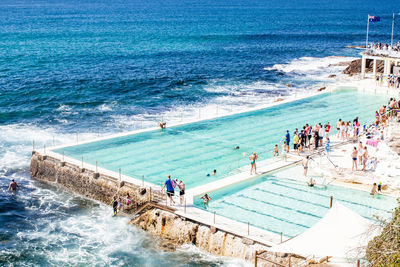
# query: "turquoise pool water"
{"type": "Point", "coordinates": [278, 204]}
{"type": "Point", "coordinates": [190, 151]}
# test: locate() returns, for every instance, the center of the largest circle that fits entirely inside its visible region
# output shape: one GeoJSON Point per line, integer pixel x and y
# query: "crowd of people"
{"type": "Point", "coordinates": [119, 204]}
{"type": "Point", "coordinates": [384, 49]}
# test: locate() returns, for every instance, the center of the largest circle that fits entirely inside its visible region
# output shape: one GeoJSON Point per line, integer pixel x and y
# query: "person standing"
{"type": "Point", "coordinates": [320, 134]}
{"type": "Point", "coordinates": [287, 139]}
{"type": "Point", "coordinates": [364, 158]}
{"type": "Point", "coordinates": [115, 206]}
{"type": "Point", "coordinates": [327, 129]}
{"type": "Point", "coordinates": [296, 140]}
{"type": "Point", "coordinates": [338, 124]}
{"type": "Point", "coordinates": [354, 159]}
{"type": "Point", "coordinates": [169, 184]}
{"type": "Point", "coordinates": [284, 151]}
{"type": "Point", "coordinates": [253, 157]}
{"type": "Point", "coordinates": [181, 187]}
{"type": "Point", "coordinates": [327, 147]}
{"type": "Point", "coordinates": [305, 164]}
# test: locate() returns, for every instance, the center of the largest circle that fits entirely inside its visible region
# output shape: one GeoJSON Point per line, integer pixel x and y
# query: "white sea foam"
{"type": "Point", "coordinates": [104, 107]}
{"type": "Point", "coordinates": [64, 108]}
{"type": "Point", "coordinates": [312, 65]}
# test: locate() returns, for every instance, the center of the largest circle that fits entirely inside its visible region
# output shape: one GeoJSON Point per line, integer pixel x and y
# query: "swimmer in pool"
{"type": "Point", "coordinates": [237, 147]}
{"type": "Point", "coordinates": [213, 173]}
{"type": "Point", "coordinates": [206, 198]}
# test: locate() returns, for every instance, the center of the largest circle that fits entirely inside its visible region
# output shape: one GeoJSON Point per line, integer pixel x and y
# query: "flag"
{"type": "Point", "coordinates": [374, 18]}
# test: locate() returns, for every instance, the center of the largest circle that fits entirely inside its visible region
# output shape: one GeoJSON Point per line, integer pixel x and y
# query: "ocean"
{"type": "Point", "coordinates": [96, 67]}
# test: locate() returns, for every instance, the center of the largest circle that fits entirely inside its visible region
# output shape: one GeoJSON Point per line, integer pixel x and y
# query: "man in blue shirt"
{"type": "Point", "coordinates": [287, 137]}
{"type": "Point", "coordinates": [170, 189]}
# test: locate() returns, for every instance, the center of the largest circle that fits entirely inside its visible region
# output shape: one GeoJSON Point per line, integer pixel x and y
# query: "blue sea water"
{"type": "Point", "coordinates": [94, 66]}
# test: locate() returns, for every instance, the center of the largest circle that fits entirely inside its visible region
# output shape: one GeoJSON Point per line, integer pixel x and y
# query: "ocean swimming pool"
{"type": "Point", "coordinates": [279, 204]}
{"type": "Point", "coordinates": [190, 151]}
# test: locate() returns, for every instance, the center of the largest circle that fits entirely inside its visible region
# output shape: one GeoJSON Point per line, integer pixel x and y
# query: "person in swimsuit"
{"type": "Point", "coordinates": [305, 165]}
{"type": "Point", "coordinates": [276, 151]}
{"type": "Point", "coordinates": [284, 152]}
{"type": "Point", "coordinates": [181, 187]}
{"type": "Point", "coordinates": [213, 173]}
{"type": "Point", "coordinates": [311, 182]}
{"type": "Point", "coordinates": [206, 198]}
{"type": "Point", "coordinates": [373, 189]}
{"type": "Point", "coordinates": [338, 124]}
{"type": "Point", "coordinates": [253, 165]}
{"type": "Point", "coordinates": [13, 186]}
{"type": "Point", "coordinates": [364, 158]}
{"type": "Point", "coordinates": [354, 159]}
{"type": "Point", "coordinates": [360, 153]}
{"type": "Point", "coordinates": [162, 124]}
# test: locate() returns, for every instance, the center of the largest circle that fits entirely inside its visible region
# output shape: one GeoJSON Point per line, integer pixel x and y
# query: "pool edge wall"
{"type": "Point", "coordinates": [85, 182]}
{"type": "Point", "coordinates": [175, 229]}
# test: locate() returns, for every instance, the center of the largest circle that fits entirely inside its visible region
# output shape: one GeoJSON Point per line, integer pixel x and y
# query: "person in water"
{"type": "Point", "coordinates": [253, 166]}
{"type": "Point", "coordinates": [237, 147]}
{"type": "Point", "coordinates": [311, 182]}
{"type": "Point", "coordinates": [13, 186]}
{"type": "Point", "coordinates": [206, 198]}
{"type": "Point", "coordinates": [213, 173]}
{"type": "Point", "coordinates": [162, 124]}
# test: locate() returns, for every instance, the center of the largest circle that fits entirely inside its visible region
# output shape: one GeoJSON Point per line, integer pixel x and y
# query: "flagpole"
{"type": "Point", "coordinates": [366, 41]}
{"type": "Point", "coordinates": [391, 43]}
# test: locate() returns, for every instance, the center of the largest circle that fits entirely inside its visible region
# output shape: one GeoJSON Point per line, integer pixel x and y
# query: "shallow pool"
{"type": "Point", "coordinates": [190, 151]}
{"type": "Point", "coordinates": [279, 204]}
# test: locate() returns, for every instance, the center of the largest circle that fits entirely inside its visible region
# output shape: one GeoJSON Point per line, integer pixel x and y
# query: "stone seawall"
{"type": "Point", "coordinates": [85, 182]}
{"type": "Point", "coordinates": [176, 230]}
{"type": "Point", "coordinates": [179, 230]}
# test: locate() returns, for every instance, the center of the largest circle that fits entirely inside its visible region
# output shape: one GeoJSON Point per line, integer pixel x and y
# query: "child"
{"type": "Point", "coordinates": [276, 151]}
